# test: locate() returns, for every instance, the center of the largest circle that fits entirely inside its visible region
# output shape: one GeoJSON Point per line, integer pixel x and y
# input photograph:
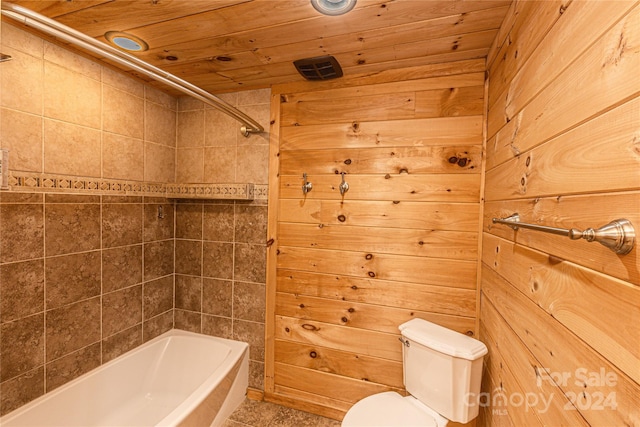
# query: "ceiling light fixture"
{"type": "Point", "coordinates": [333, 7]}
{"type": "Point", "coordinates": [126, 41]}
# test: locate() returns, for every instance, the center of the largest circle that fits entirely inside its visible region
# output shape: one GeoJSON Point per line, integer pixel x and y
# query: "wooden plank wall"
{"type": "Point", "coordinates": [561, 318]}
{"type": "Point", "coordinates": [344, 272]}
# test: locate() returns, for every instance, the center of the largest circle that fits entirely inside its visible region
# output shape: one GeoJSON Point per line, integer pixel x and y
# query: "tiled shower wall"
{"type": "Point", "coordinates": [221, 245]}
{"type": "Point", "coordinates": [87, 276]}
{"type": "Point", "coordinates": [83, 278]}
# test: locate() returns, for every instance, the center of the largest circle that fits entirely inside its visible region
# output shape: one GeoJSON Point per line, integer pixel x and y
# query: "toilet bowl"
{"type": "Point", "coordinates": [389, 409]}
{"type": "Point", "coordinates": [442, 373]}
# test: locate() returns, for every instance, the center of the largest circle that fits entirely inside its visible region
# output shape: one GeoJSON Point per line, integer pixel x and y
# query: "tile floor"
{"type": "Point", "coordinates": [264, 414]}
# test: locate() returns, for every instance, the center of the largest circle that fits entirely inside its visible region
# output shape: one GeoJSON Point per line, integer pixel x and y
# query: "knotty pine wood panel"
{"type": "Point", "coordinates": [309, 402]}
{"type": "Point", "coordinates": [440, 131]}
{"type": "Point", "coordinates": [359, 341]}
{"type": "Point", "coordinates": [363, 316]}
{"type": "Point", "coordinates": [438, 28]}
{"type": "Point", "coordinates": [392, 160]}
{"type": "Point", "coordinates": [514, 380]}
{"type": "Point", "coordinates": [552, 286]}
{"type": "Point", "coordinates": [337, 95]}
{"type": "Point", "coordinates": [524, 37]}
{"type": "Point", "coordinates": [578, 17]}
{"type": "Point", "coordinates": [339, 362]}
{"type": "Point", "coordinates": [337, 387]}
{"type": "Point", "coordinates": [414, 296]}
{"type": "Point", "coordinates": [427, 243]}
{"type": "Point", "coordinates": [568, 101]}
{"type": "Point", "coordinates": [418, 72]}
{"type": "Point", "coordinates": [385, 106]}
{"type": "Point", "coordinates": [452, 102]}
{"type": "Point", "coordinates": [397, 187]}
{"type": "Point", "coordinates": [557, 349]}
{"type": "Point", "coordinates": [402, 268]}
{"type": "Point", "coordinates": [600, 155]}
{"type": "Point", "coordinates": [581, 212]}
{"type": "Point", "coordinates": [389, 214]}
{"type": "Point", "coordinates": [401, 243]}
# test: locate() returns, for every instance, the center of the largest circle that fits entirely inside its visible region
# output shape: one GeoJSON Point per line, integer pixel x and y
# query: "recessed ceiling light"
{"type": "Point", "coordinates": [333, 7]}
{"type": "Point", "coordinates": [126, 41]}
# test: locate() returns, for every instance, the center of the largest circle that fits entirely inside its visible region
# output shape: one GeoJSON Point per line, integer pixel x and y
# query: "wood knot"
{"type": "Point", "coordinates": [368, 257]}
{"type": "Point", "coordinates": [342, 218]}
{"type": "Point", "coordinates": [347, 162]}
{"type": "Point", "coordinates": [469, 333]}
{"type": "Point", "coordinates": [309, 327]}
{"type": "Point", "coordinates": [462, 162]}
{"type": "Point", "coordinates": [313, 354]}
{"type": "Point", "coordinates": [270, 242]}
{"type": "Point", "coordinates": [371, 274]}
{"type": "Point", "coordinates": [351, 310]}
{"type": "Point", "coordinates": [387, 176]}
{"type": "Point", "coordinates": [344, 319]}
{"type": "Point", "coordinates": [453, 160]}
{"type": "Point", "coordinates": [287, 330]}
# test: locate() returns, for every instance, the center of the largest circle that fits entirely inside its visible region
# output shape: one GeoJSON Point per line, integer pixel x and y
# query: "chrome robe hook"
{"type": "Point", "coordinates": [344, 186]}
{"type": "Point", "coordinates": [306, 185]}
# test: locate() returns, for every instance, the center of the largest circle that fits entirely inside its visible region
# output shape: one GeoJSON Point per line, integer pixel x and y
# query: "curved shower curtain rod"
{"type": "Point", "coordinates": [54, 28]}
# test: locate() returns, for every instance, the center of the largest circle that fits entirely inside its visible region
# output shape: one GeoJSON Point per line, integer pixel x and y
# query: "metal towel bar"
{"type": "Point", "coordinates": [618, 235]}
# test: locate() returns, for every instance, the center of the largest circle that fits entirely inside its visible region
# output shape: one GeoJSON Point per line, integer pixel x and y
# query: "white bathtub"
{"type": "Point", "coordinates": [177, 379]}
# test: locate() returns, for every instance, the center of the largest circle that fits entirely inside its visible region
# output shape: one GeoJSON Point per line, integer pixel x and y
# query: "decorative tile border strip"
{"type": "Point", "coordinates": [50, 183]}
{"type": "Point", "coordinates": [211, 191]}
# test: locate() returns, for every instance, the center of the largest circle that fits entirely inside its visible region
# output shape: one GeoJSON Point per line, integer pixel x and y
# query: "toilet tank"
{"type": "Point", "coordinates": [442, 369]}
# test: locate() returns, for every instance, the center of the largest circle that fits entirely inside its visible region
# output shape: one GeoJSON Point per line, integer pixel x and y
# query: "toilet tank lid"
{"type": "Point", "coordinates": [442, 339]}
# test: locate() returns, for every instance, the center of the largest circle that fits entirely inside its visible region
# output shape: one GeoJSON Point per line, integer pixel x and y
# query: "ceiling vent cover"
{"type": "Point", "coordinates": [319, 68]}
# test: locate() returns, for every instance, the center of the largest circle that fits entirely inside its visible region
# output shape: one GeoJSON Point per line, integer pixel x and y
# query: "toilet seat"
{"type": "Point", "coordinates": [390, 409]}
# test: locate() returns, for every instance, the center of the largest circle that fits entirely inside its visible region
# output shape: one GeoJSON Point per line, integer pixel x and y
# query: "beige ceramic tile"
{"type": "Point", "coordinates": [71, 149]}
{"type": "Point", "coordinates": [188, 255]}
{"type": "Point", "coordinates": [71, 278]}
{"type": "Point", "coordinates": [22, 345]}
{"type": "Point", "coordinates": [160, 124]}
{"type": "Point", "coordinates": [72, 97]}
{"type": "Point", "coordinates": [123, 113]}
{"type": "Point", "coordinates": [157, 297]}
{"type": "Point", "coordinates": [121, 342]}
{"type": "Point", "coordinates": [190, 129]}
{"type": "Point", "coordinates": [254, 97]}
{"type": "Point", "coordinates": [161, 98]}
{"type": "Point", "coordinates": [71, 61]}
{"type": "Point", "coordinates": [22, 136]}
{"type": "Point", "coordinates": [187, 103]}
{"type": "Point", "coordinates": [159, 163]}
{"type": "Point", "coordinates": [21, 81]}
{"type": "Point", "coordinates": [189, 292]}
{"type": "Point", "coordinates": [22, 389]}
{"type": "Point", "coordinates": [72, 327]}
{"type": "Point", "coordinates": [157, 325]}
{"type": "Point", "coordinates": [121, 310]}
{"type": "Point", "coordinates": [158, 260]}
{"type": "Point", "coordinates": [253, 164]}
{"type": "Point", "coordinates": [190, 165]}
{"type": "Point", "coordinates": [122, 157]}
{"type": "Point", "coordinates": [71, 227]}
{"type": "Point", "coordinates": [221, 130]}
{"type": "Point", "coordinates": [220, 164]}
{"type": "Point", "coordinates": [71, 366]}
{"type": "Point", "coordinates": [189, 220]}
{"type": "Point", "coordinates": [22, 236]}
{"type": "Point", "coordinates": [22, 289]}
{"type": "Point", "coordinates": [20, 40]}
{"type": "Point", "coordinates": [121, 267]}
{"type": "Point", "coordinates": [122, 81]}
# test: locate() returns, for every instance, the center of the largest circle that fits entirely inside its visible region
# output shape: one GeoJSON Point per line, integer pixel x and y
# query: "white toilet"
{"type": "Point", "coordinates": [442, 373]}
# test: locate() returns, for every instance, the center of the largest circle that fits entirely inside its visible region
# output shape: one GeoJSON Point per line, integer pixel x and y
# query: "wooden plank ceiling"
{"type": "Point", "coordinates": [231, 45]}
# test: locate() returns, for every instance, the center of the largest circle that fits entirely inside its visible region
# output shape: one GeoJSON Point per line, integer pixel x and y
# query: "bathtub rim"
{"type": "Point", "coordinates": [179, 413]}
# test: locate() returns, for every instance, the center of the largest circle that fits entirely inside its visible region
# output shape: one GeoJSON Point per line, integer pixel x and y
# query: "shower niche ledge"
{"type": "Point", "coordinates": [211, 191]}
